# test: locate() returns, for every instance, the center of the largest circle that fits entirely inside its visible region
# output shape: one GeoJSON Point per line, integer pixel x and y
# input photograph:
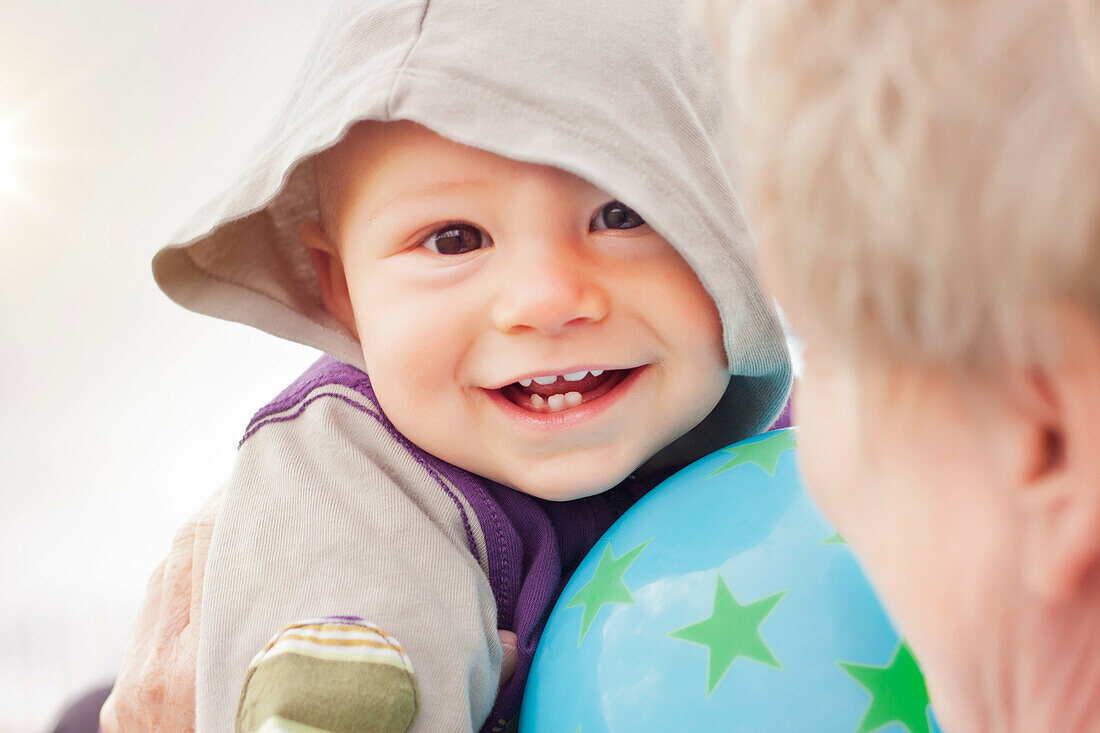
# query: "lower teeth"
{"type": "Point", "coordinates": [557, 402]}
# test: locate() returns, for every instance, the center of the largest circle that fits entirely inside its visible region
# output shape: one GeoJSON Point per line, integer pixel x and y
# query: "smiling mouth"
{"type": "Point", "coordinates": [563, 394]}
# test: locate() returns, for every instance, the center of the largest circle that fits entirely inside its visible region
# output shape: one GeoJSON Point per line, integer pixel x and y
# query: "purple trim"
{"type": "Point", "coordinates": [301, 407]}
{"type": "Point", "coordinates": [547, 541]}
{"type": "Point", "coordinates": [421, 457]}
{"type": "Point", "coordinates": [324, 371]}
{"type": "Point", "coordinates": [328, 371]}
{"type": "Point", "coordinates": [501, 540]}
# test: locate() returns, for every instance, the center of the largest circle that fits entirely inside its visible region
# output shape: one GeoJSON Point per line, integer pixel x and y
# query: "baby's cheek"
{"type": "Point", "coordinates": [707, 321]}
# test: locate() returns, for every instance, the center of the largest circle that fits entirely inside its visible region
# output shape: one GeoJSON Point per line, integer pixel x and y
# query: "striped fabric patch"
{"type": "Point", "coordinates": [337, 639]}
{"type": "Point", "coordinates": [329, 675]}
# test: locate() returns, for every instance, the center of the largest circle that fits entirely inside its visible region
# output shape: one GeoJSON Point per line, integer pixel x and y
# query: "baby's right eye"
{"type": "Point", "coordinates": [456, 239]}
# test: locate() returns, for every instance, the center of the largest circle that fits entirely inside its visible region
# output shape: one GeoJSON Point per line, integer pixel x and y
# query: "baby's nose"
{"type": "Point", "coordinates": [549, 296]}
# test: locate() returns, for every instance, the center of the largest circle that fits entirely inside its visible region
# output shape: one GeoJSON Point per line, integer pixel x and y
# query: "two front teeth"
{"type": "Point", "coordinates": [570, 377]}
{"type": "Point", "coordinates": [558, 402]}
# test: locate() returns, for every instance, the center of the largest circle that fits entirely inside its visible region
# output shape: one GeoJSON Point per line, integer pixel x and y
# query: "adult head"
{"type": "Point", "coordinates": [924, 180]}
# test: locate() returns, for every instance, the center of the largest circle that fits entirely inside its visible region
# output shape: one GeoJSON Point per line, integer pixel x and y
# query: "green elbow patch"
{"type": "Point", "coordinates": [336, 675]}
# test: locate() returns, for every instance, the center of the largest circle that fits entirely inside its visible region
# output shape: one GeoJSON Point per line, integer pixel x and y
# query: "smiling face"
{"type": "Point", "coordinates": [515, 320]}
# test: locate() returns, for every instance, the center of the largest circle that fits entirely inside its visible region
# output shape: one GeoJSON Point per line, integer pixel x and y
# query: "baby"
{"type": "Point", "coordinates": [926, 187]}
{"type": "Point", "coordinates": [508, 226]}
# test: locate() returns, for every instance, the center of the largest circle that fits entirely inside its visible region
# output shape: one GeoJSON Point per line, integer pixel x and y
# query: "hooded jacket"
{"type": "Point", "coordinates": [331, 512]}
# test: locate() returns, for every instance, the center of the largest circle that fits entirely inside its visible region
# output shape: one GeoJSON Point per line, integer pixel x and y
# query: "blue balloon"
{"type": "Point", "coordinates": [724, 601]}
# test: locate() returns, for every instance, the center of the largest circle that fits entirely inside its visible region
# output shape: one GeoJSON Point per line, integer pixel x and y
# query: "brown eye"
{"type": "Point", "coordinates": [616, 215]}
{"type": "Point", "coordinates": [457, 239]}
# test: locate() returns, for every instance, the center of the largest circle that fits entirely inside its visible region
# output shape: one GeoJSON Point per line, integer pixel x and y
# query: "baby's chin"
{"type": "Point", "coordinates": [578, 485]}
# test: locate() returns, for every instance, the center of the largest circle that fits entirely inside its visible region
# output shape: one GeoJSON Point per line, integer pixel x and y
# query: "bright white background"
{"type": "Point", "coordinates": [119, 411]}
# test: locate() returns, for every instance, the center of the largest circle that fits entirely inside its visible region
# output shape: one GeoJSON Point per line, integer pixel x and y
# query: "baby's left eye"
{"type": "Point", "coordinates": [616, 215]}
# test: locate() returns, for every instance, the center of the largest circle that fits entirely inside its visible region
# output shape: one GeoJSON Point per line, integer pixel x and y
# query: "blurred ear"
{"type": "Point", "coordinates": [1060, 486]}
{"type": "Point", "coordinates": [330, 274]}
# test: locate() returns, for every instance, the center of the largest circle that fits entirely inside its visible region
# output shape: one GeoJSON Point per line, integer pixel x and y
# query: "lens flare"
{"type": "Point", "coordinates": [23, 156]}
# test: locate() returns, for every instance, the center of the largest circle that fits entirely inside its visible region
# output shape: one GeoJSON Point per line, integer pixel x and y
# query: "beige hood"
{"type": "Point", "coordinates": [623, 93]}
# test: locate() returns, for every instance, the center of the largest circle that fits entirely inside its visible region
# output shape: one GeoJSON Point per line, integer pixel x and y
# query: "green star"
{"type": "Point", "coordinates": [731, 631]}
{"type": "Point", "coordinates": [897, 692]}
{"type": "Point", "coordinates": [606, 586]}
{"type": "Point", "coordinates": [836, 539]}
{"type": "Point", "coordinates": [764, 452]}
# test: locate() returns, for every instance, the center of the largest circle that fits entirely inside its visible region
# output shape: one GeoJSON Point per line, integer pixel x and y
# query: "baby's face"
{"type": "Point", "coordinates": [515, 320]}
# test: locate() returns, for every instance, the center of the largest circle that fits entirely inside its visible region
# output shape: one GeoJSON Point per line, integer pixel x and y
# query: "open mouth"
{"type": "Point", "coordinates": [555, 393]}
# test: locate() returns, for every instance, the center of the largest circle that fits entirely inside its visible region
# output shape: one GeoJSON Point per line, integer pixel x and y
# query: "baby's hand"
{"type": "Point", "coordinates": [155, 689]}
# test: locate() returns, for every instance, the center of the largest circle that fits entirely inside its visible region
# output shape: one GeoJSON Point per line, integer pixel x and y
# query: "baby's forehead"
{"type": "Point", "coordinates": [398, 150]}
{"type": "Point", "coordinates": [390, 161]}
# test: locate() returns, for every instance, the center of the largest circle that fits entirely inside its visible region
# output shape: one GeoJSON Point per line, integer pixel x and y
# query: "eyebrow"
{"type": "Point", "coordinates": [425, 191]}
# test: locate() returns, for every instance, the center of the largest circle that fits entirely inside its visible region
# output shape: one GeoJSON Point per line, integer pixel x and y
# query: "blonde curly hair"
{"type": "Point", "coordinates": [923, 172]}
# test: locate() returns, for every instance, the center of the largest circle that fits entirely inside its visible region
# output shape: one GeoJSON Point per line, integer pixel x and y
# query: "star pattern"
{"type": "Point", "coordinates": [898, 693]}
{"type": "Point", "coordinates": [606, 586]}
{"type": "Point", "coordinates": [731, 631]}
{"type": "Point", "coordinates": [764, 453]}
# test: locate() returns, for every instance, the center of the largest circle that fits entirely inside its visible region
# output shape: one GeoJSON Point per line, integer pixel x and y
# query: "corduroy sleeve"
{"type": "Point", "coordinates": [327, 515]}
